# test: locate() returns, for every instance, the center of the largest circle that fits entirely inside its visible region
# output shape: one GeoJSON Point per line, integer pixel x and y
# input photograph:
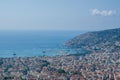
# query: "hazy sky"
{"type": "Point", "coordinates": [59, 14]}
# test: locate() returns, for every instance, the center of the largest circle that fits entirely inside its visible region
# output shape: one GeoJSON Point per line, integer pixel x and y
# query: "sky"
{"type": "Point", "coordinates": [86, 15]}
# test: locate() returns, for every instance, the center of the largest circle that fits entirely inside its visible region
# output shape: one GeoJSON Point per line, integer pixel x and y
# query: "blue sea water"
{"type": "Point", "coordinates": [33, 43]}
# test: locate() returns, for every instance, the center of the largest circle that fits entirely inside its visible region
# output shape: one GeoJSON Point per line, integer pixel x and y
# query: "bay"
{"type": "Point", "coordinates": [34, 43]}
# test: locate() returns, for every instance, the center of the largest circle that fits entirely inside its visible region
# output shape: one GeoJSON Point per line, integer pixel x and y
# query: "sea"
{"type": "Point", "coordinates": [34, 43]}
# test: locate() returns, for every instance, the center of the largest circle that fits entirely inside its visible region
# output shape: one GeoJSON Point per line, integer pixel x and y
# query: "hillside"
{"type": "Point", "coordinates": [107, 40]}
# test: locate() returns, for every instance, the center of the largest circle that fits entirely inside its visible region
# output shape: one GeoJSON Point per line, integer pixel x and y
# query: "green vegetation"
{"type": "Point", "coordinates": [76, 72]}
{"type": "Point", "coordinates": [1, 62]}
{"type": "Point", "coordinates": [8, 78]}
{"type": "Point", "coordinates": [45, 63]}
{"type": "Point", "coordinates": [77, 54]}
{"type": "Point", "coordinates": [107, 40]}
{"type": "Point", "coordinates": [61, 71]}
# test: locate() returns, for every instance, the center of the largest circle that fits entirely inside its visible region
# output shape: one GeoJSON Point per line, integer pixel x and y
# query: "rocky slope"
{"type": "Point", "coordinates": [107, 40]}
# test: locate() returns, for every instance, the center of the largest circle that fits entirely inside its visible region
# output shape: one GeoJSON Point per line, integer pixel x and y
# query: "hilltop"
{"type": "Point", "coordinates": [97, 41]}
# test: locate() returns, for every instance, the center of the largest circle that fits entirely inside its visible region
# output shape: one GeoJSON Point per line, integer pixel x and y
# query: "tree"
{"type": "Point", "coordinates": [61, 71]}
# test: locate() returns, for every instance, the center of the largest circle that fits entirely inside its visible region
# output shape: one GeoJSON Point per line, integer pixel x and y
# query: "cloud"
{"type": "Point", "coordinates": [103, 12]}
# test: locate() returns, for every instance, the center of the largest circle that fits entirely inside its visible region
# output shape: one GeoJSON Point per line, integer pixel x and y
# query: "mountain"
{"type": "Point", "coordinates": [98, 41]}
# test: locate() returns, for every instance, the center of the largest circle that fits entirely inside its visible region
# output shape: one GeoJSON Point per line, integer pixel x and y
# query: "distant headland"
{"type": "Point", "coordinates": [97, 41]}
